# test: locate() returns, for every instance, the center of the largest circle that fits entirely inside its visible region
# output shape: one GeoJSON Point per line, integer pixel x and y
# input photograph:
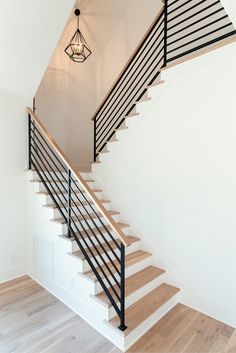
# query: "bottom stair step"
{"type": "Point", "coordinates": [137, 313]}
{"type": "Point", "coordinates": [134, 283]}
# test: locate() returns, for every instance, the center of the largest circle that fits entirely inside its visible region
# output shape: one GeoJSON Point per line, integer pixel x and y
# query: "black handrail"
{"type": "Point", "coordinates": [83, 220]}
{"type": "Point", "coordinates": [180, 29]}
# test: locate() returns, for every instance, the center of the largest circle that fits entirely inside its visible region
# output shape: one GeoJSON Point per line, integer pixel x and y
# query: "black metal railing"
{"type": "Point", "coordinates": [104, 252]}
{"type": "Point", "coordinates": [181, 28]}
{"type": "Point", "coordinates": [194, 25]}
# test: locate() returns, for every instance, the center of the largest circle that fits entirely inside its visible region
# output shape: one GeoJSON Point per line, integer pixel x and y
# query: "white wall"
{"type": "Point", "coordinates": [29, 31]}
{"type": "Point", "coordinates": [174, 178]}
{"type": "Point", "coordinates": [230, 7]}
{"type": "Point", "coordinates": [13, 214]}
{"type": "Point", "coordinates": [132, 27]}
{"type": "Point", "coordinates": [69, 93]}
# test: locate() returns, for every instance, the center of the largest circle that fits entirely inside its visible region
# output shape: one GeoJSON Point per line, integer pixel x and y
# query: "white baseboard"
{"type": "Point", "coordinates": [209, 308]}
{"type": "Point", "coordinates": [11, 273]}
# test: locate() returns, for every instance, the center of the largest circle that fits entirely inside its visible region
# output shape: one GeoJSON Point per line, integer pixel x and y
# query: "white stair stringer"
{"type": "Point", "coordinates": [70, 280]}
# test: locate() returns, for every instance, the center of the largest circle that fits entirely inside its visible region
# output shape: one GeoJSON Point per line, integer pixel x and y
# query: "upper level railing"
{"type": "Point", "coordinates": [181, 28]}
{"type": "Point", "coordinates": [98, 236]}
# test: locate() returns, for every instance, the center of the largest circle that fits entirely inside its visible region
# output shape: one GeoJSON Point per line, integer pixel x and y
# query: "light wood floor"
{"type": "Point", "coordinates": [33, 321]}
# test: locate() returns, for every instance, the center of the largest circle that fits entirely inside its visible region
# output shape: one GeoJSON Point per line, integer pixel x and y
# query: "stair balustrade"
{"type": "Point", "coordinates": [180, 29]}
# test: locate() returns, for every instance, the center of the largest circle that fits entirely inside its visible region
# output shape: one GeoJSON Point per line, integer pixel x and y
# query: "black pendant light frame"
{"type": "Point", "coordinates": [78, 49]}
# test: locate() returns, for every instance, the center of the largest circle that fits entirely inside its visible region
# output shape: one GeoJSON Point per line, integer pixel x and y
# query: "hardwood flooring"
{"type": "Point", "coordinates": [33, 321]}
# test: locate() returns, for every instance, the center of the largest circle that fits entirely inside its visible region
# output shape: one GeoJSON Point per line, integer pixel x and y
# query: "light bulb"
{"type": "Point", "coordinates": [78, 48]}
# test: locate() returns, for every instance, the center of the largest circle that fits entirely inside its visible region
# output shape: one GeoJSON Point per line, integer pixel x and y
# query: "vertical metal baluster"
{"type": "Point", "coordinates": [34, 105]}
{"type": "Point", "coordinates": [122, 326]}
{"type": "Point", "coordinates": [165, 33]}
{"type": "Point", "coordinates": [29, 141]}
{"type": "Point", "coordinates": [94, 137]}
{"type": "Point", "coordinates": [69, 203]}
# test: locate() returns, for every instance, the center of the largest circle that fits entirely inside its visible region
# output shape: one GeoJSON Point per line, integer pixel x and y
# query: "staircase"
{"type": "Point", "coordinates": [145, 285]}
{"type": "Point", "coordinates": [107, 275]}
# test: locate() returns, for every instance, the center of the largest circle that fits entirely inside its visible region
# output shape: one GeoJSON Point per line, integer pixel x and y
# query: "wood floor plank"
{"type": "Point", "coordinates": [184, 330]}
{"type": "Point", "coordinates": [231, 344]}
{"type": "Point", "coordinates": [33, 321]}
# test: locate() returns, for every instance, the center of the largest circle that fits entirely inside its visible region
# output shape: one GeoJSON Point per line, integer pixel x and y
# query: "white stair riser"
{"type": "Point", "coordinates": [62, 183]}
{"type": "Point", "coordinates": [83, 209]}
{"type": "Point", "coordinates": [48, 175]}
{"type": "Point", "coordinates": [108, 312]}
{"type": "Point", "coordinates": [74, 246]}
{"type": "Point", "coordinates": [32, 175]}
{"type": "Point", "coordinates": [95, 286]}
{"type": "Point", "coordinates": [88, 223]}
{"type": "Point", "coordinates": [139, 294]}
{"type": "Point", "coordinates": [133, 247]}
{"type": "Point", "coordinates": [49, 200]}
{"type": "Point", "coordinates": [62, 187]}
{"type": "Point", "coordinates": [131, 270]}
{"type": "Point", "coordinates": [106, 235]}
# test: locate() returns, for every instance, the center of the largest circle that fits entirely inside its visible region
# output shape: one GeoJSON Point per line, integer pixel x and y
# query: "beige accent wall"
{"type": "Point", "coordinates": [69, 93]}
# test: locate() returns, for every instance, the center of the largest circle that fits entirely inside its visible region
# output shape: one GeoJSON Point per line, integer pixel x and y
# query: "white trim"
{"type": "Point", "coordinates": [12, 273]}
{"type": "Point", "coordinates": [209, 308]}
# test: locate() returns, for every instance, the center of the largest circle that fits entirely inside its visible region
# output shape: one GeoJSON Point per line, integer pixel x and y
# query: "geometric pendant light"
{"type": "Point", "coordinates": [78, 49]}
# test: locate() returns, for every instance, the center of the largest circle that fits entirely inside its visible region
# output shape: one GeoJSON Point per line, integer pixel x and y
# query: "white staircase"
{"type": "Point", "coordinates": [148, 295]}
{"type": "Point", "coordinates": [83, 269]}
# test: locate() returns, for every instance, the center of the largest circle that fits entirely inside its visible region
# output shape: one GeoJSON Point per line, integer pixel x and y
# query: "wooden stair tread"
{"type": "Point", "coordinates": [97, 231]}
{"type": "Point", "coordinates": [84, 203]}
{"type": "Point", "coordinates": [65, 192]}
{"type": "Point", "coordinates": [145, 307]}
{"type": "Point", "coordinates": [79, 253]}
{"type": "Point", "coordinates": [143, 100]}
{"type": "Point", "coordinates": [116, 140]}
{"type": "Point", "coordinates": [134, 282]}
{"type": "Point", "coordinates": [154, 84]}
{"type": "Point", "coordinates": [59, 180]}
{"type": "Point", "coordinates": [121, 128]}
{"type": "Point", "coordinates": [132, 115]}
{"type": "Point", "coordinates": [103, 152]}
{"type": "Point", "coordinates": [86, 216]}
{"type": "Point", "coordinates": [130, 260]}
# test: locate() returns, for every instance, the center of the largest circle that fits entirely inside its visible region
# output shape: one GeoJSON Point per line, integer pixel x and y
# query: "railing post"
{"type": "Point", "coordinates": [122, 326]}
{"type": "Point", "coordinates": [29, 142]}
{"type": "Point", "coordinates": [34, 104]}
{"type": "Point", "coordinates": [165, 31]}
{"type": "Point", "coordinates": [94, 139]}
{"type": "Point", "coordinates": [69, 203]}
